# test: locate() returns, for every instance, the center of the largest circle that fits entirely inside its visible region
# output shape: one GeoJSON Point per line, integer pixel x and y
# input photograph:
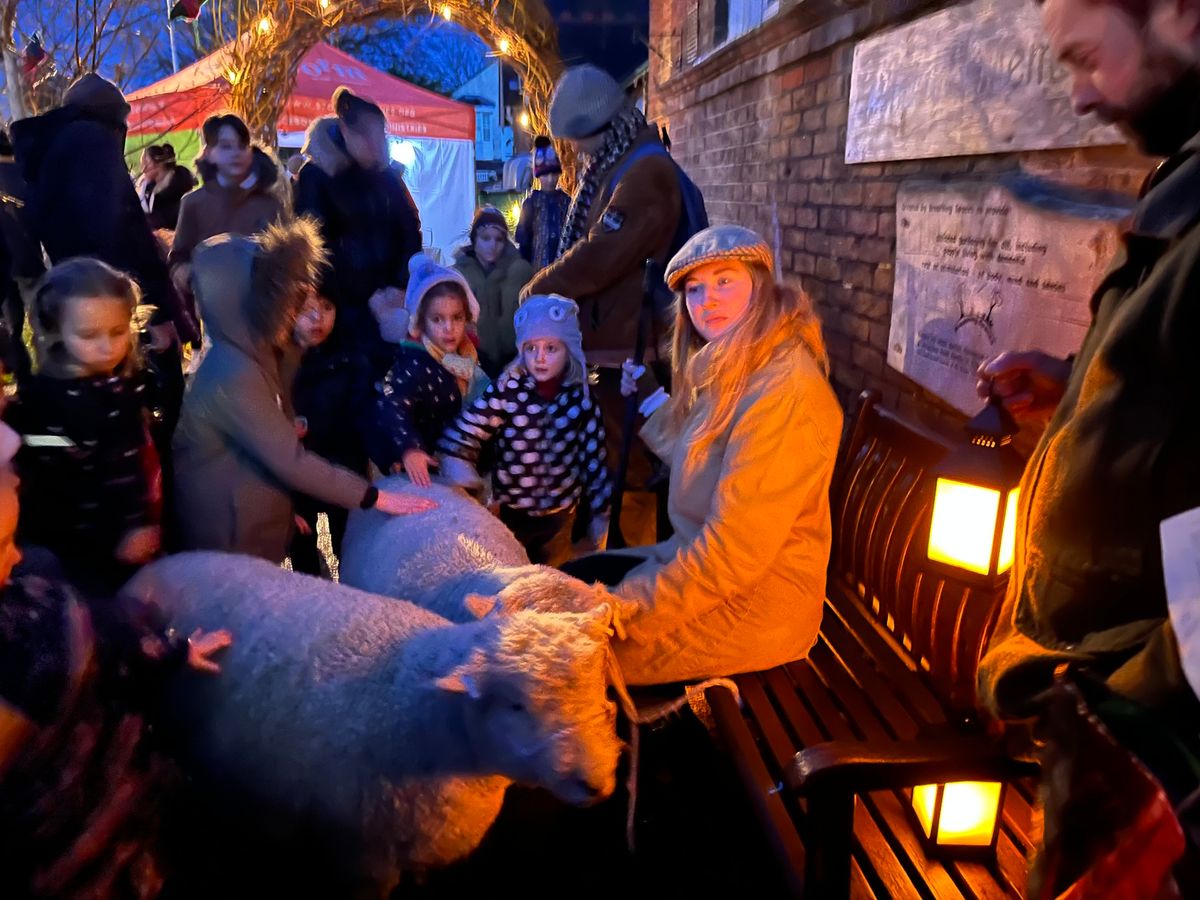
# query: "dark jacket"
{"type": "Point", "coordinates": [17, 224]}
{"type": "Point", "coordinates": [237, 456]}
{"type": "Point", "coordinates": [603, 272]}
{"type": "Point", "coordinates": [412, 406]}
{"type": "Point", "coordinates": [540, 226]}
{"type": "Point", "coordinates": [332, 391]}
{"type": "Point", "coordinates": [80, 500]}
{"type": "Point", "coordinates": [215, 209]}
{"type": "Point", "coordinates": [83, 201]}
{"type": "Point", "coordinates": [1121, 454]}
{"type": "Point", "coordinates": [499, 294]}
{"type": "Point", "coordinates": [166, 196]}
{"type": "Point", "coordinates": [369, 222]}
{"type": "Point", "coordinates": [548, 453]}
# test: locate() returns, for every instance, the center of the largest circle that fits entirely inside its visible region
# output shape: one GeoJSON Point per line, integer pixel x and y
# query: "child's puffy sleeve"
{"type": "Point", "coordinates": [593, 456]}
{"type": "Point", "coordinates": [476, 424]}
{"type": "Point", "coordinates": [396, 409]}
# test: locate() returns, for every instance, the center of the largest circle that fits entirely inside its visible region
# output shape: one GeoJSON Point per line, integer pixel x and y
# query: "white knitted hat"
{"type": "Point", "coordinates": [423, 276]}
{"type": "Point", "coordinates": [584, 101]}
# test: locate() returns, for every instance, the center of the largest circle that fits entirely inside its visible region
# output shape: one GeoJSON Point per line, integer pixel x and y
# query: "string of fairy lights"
{"type": "Point", "coordinates": [272, 37]}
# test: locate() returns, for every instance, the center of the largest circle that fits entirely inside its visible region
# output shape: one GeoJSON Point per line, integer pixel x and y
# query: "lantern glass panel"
{"type": "Point", "coordinates": [963, 525]}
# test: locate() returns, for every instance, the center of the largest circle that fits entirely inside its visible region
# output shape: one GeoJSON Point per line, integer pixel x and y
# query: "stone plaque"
{"type": "Point", "coordinates": [975, 78]}
{"type": "Point", "coordinates": [988, 266]}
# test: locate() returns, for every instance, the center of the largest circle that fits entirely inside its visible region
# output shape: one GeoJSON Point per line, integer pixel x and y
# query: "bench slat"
{"type": "Point", "coordinates": [879, 855]}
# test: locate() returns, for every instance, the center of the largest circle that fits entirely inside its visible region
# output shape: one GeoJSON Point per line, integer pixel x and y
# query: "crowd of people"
{"type": "Point", "coordinates": [333, 348]}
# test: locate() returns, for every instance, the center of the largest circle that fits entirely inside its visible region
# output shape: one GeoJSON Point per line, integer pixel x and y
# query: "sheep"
{"type": "Point", "coordinates": [394, 728]}
{"type": "Point", "coordinates": [458, 560]}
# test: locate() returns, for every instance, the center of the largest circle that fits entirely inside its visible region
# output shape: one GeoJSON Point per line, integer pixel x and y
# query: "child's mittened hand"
{"type": "Point", "coordinates": [139, 546]}
{"type": "Point", "coordinates": [394, 504]}
{"type": "Point", "coordinates": [417, 464]}
{"type": "Point", "coordinates": [202, 645]}
{"type": "Point", "coordinates": [630, 373]}
{"type": "Point", "coordinates": [598, 531]}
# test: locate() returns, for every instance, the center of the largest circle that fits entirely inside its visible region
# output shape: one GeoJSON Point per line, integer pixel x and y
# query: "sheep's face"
{"type": "Point", "coordinates": [538, 703]}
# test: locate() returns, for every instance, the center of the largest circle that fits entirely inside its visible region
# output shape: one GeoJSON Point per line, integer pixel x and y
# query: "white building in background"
{"type": "Point", "coordinates": [493, 135]}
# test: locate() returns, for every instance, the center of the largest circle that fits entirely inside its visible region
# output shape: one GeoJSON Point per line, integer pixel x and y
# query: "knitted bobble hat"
{"type": "Point", "coordinates": [585, 100]}
{"type": "Point", "coordinates": [424, 274]}
{"type": "Point", "coordinates": [717, 243]}
{"type": "Point", "coordinates": [549, 316]}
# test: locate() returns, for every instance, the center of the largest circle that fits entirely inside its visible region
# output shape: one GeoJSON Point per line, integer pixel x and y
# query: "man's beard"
{"type": "Point", "coordinates": [1166, 112]}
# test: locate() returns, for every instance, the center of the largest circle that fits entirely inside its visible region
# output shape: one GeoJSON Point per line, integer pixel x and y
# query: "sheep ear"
{"type": "Point", "coordinates": [464, 679]}
{"type": "Point", "coordinates": [480, 606]}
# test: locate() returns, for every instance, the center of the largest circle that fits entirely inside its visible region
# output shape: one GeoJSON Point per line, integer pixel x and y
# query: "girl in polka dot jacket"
{"type": "Point", "coordinates": [436, 368]}
{"type": "Point", "coordinates": [548, 433]}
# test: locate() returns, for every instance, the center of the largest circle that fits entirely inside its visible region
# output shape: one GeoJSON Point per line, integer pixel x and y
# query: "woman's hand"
{"type": "Point", "coordinates": [202, 645]}
{"type": "Point", "coordinates": [417, 464]}
{"type": "Point", "coordinates": [630, 373]}
{"type": "Point", "coordinates": [139, 545]}
{"type": "Point", "coordinates": [395, 504]}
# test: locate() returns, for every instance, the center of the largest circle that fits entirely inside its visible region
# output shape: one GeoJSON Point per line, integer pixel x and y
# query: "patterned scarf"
{"type": "Point", "coordinates": [461, 364]}
{"type": "Point", "coordinates": [621, 134]}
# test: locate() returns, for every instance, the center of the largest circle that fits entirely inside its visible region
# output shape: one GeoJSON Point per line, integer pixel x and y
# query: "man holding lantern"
{"type": "Point", "coordinates": [1121, 451]}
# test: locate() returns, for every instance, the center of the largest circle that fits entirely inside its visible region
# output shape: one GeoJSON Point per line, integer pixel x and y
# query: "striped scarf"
{"type": "Point", "coordinates": [624, 130]}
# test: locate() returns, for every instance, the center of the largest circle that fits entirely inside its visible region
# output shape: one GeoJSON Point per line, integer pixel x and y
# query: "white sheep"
{"type": "Point", "coordinates": [396, 729]}
{"type": "Point", "coordinates": [458, 560]}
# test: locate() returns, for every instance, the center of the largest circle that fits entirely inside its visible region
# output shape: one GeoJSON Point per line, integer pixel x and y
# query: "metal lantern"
{"type": "Point", "coordinates": [961, 818]}
{"type": "Point", "coordinates": [974, 521]}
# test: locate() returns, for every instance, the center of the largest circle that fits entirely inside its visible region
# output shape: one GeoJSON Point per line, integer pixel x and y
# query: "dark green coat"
{"type": "Point", "coordinates": [1121, 454]}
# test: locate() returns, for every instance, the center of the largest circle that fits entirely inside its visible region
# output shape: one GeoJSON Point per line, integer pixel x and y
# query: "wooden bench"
{"type": "Point", "coordinates": [829, 746]}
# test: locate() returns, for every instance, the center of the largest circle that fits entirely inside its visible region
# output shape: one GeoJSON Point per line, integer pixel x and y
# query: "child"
{"type": "Point", "coordinates": [544, 210]}
{"type": "Point", "coordinates": [91, 482]}
{"type": "Point", "coordinates": [238, 458]}
{"type": "Point", "coordinates": [435, 371]}
{"type": "Point", "coordinates": [81, 778]}
{"type": "Point", "coordinates": [328, 384]}
{"type": "Point", "coordinates": [548, 430]}
{"type": "Point", "coordinates": [496, 273]}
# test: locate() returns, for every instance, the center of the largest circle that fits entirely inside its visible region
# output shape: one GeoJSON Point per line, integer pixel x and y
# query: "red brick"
{"type": "Point", "coordinates": [884, 278]}
{"type": "Point", "coordinates": [864, 223]}
{"type": "Point", "coordinates": [801, 145]}
{"type": "Point", "coordinates": [828, 268]}
{"type": "Point", "coordinates": [820, 192]}
{"type": "Point", "coordinates": [868, 359]}
{"type": "Point", "coordinates": [825, 142]}
{"type": "Point", "coordinates": [875, 250]}
{"type": "Point", "coordinates": [813, 119]}
{"type": "Point", "coordinates": [833, 219]}
{"type": "Point", "coordinates": [848, 193]}
{"type": "Point", "coordinates": [804, 263]}
{"type": "Point", "coordinates": [806, 217]}
{"type": "Point", "coordinates": [879, 193]}
{"type": "Point", "coordinates": [858, 274]}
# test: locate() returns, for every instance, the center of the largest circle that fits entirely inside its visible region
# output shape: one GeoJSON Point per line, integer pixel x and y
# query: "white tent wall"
{"type": "Point", "coordinates": [440, 174]}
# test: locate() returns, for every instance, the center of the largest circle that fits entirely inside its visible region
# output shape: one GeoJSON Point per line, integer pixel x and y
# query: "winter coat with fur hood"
{"type": "Point", "coordinates": [237, 455]}
{"type": "Point", "coordinates": [216, 209]}
{"type": "Point", "coordinates": [83, 201]}
{"type": "Point", "coordinates": [369, 222]}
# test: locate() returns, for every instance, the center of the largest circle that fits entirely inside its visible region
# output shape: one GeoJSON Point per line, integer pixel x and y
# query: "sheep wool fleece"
{"type": "Point", "coordinates": [458, 560]}
{"type": "Point", "coordinates": [403, 700]}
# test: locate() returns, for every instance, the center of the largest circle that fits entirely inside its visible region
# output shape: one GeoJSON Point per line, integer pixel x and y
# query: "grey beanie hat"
{"type": "Point", "coordinates": [718, 242]}
{"type": "Point", "coordinates": [424, 274]}
{"type": "Point", "coordinates": [585, 100]}
{"type": "Point", "coordinates": [551, 316]}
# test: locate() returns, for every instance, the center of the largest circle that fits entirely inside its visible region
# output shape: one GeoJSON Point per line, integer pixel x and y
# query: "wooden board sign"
{"type": "Point", "coordinates": [975, 78]}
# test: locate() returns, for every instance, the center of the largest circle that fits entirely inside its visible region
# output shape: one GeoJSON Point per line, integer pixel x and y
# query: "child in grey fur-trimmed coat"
{"type": "Point", "coordinates": [548, 431]}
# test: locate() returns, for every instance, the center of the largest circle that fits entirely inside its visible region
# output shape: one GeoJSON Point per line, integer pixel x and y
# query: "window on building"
{"type": "Point", "coordinates": [485, 126]}
{"type": "Point", "coordinates": [711, 24]}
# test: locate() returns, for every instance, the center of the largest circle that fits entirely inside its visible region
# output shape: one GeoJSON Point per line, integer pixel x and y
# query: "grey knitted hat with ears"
{"type": "Point", "coordinates": [400, 320]}
{"type": "Point", "coordinates": [551, 316]}
{"type": "Point", "coordinates": [584, 101]}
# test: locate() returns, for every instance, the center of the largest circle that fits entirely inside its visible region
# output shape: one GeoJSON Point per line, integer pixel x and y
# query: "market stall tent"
{"type": "Point", "coordinates": [431, 136]}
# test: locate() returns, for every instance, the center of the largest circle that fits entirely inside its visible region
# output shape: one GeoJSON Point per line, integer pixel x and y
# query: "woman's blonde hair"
{"type": "Point", "coordinates": [779, 320]}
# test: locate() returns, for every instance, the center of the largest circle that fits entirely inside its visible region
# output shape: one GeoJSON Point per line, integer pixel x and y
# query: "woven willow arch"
{"type": "Point", "coordinates": [275, 37]}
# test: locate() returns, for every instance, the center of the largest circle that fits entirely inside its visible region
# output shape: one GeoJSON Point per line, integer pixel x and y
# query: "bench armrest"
{"type": "Point", "coordinates": [855, 767]}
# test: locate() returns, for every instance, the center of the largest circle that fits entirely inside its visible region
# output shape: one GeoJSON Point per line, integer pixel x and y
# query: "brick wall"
{"type": "Point", "coordinates": [761, 127]}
